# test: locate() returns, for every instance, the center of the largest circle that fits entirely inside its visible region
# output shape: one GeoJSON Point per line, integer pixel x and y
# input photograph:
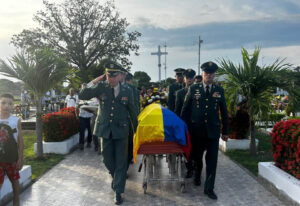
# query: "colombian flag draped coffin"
{"type": "Point", "coordinates": [158, 124]}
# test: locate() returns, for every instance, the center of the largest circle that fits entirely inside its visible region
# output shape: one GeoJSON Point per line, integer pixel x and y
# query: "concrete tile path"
{"type": "Point", "coordinates": [81, 179]}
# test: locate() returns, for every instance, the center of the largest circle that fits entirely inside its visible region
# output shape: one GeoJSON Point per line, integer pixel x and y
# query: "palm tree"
{"type": "Point", "coordinates": [40, 71]}
{"type": "Point", "coordinates": [254, 83]}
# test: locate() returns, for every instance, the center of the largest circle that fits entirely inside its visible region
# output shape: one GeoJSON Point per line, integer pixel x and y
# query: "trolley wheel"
{"type": "Point", "coordinates": [182, 188]}
{"type": "Point", "coordinates": [145, 187]}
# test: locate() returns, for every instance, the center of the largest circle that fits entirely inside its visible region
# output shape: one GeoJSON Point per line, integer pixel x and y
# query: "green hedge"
{"type": "Point", "coordinates": [61, 125]}
{"type": "Point", "coordinates": [289, 118]}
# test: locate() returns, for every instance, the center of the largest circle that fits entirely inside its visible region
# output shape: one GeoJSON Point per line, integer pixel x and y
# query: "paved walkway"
{"type": "Point", "coordinates": [81, 179]}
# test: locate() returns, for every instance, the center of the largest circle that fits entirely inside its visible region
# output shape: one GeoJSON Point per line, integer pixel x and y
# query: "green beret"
{"type": "Point", "coordinates": [209, 67]}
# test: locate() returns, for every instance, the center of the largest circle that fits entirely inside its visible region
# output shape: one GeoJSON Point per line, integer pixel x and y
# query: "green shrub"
{"type": "Point", "coordinates": [289, 118]}
{"type": "Point", "coordinates": [275, 117]}
{"type": "Point", "coordinates": [59, 126]}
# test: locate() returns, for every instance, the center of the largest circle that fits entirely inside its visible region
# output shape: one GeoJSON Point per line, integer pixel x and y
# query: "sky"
{"type": "Point", "coordinates": [225, 26]}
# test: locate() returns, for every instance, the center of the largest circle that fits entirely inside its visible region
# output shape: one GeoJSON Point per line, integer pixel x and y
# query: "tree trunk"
{"type": "Point", "coordinates": [39, 127]}
{"type": "Point", "coordinates": [252, 135]}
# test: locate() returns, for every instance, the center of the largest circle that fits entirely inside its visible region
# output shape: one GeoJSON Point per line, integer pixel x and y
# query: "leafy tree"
{"type": "Point", "coordinates": [293, 89]}
{"type": "Point", "coordinates": [9, 86]}
{"type": "Point", "coordinates": [254, 83]}
{"type": "Point", "coordinates": [170, 81]}
{"type": "Point", "coordinates": [142, 79]}
{"type": "Point", "coordinates": [83, 31]}
{"type": "Point", "coordinates": [40, 71]}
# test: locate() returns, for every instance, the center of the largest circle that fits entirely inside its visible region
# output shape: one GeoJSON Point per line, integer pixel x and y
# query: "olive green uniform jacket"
{"type": "Point", "coordinates": [113, 112]}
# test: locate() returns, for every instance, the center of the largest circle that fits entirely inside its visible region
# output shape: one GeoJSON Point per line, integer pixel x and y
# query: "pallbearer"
{"type": "Point", "coordinates": [179, 84]}
{"type": "Point", "coordinates": [180, 95]}
{"type": "Point", "coordinates": [201, 108]}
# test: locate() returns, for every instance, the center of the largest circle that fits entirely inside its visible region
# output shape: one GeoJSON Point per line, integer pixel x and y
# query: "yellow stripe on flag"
{"type": "Point", "coordinates": [150, 127]}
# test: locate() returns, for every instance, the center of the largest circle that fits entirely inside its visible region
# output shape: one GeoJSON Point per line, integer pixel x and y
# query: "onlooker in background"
{"type": "Point", "coordinates": [25, 104]}
{"type": "Point", "coordinates": [84, 123]}
{"type": "Point", "coordinates": [71, 99]}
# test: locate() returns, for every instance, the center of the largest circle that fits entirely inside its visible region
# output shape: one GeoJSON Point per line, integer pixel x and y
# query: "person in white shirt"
{"type": "Point", "coordinates": [84, 123]}
{"type": "Point", "coordinates": [71, 99]}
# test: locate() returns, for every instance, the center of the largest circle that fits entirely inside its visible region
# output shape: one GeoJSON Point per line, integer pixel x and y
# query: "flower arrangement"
{"type": "Point", "coordinates": [59, 126]}
{"type": "Point", "coordinates": [286, 146]}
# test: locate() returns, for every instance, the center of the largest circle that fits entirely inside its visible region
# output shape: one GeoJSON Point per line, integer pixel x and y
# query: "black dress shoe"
{"type": "Point", "coordinates": [211, 194]}
{"type": "Point", "coordinates": [189, 174]}
{"type": "Point", "coordinates": [118, 199]}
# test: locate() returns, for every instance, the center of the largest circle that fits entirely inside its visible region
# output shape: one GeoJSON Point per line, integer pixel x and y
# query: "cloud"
{"type": "Point", "coordinates": [226, 35]}
{"type": "Point", "coordinates": [169, 14]}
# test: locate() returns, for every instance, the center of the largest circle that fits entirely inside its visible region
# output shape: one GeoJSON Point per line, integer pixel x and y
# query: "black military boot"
{"type": "Point", "coordinates": [190, 169]}
{"type": "Point", "coordinates": [197, 178]}
{"type": "Point", "coordinates": [118, 199]}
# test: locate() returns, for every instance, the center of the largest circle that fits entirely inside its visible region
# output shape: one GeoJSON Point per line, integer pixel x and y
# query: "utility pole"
{"type": "Point", "coordinates": [166, 61]}
{"type": "Point", "coordinates": [159, 53]}
{"type": "Point", "coordinates": [200, 41]}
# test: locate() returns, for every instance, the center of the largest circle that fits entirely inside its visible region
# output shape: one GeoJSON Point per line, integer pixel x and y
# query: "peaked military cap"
{"type": "Point", "coordinates": [129, 76]}
{"type": "Point", "coordinates": [189, 73]}
{"type": "Point", "coordinates": [179, 71]}
{"type": "Point", "coordinates": [123, 70]}
{"type": "Point", "coordinates": [198, 77]}
{"type": "Point", "coordinates": [209, 67]}
{"type": "Point", "coordinates": [113, 68]}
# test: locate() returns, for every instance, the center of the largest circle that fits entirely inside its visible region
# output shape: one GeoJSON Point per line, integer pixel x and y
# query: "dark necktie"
{"type": "Point", "coordinates": [113, 92]}
{"type": "Point", "coordinates": [207, 91]}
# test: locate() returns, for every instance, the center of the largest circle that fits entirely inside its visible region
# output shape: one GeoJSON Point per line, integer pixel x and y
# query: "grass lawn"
{"type": "Point", "coordinates": [244, 158]}
{"type": "Point", "coordinates": [38, 166]}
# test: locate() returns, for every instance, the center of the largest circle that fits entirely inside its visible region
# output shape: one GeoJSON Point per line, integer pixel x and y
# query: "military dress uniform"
{"type": "Point", "coordinates": [173, 89]}
{"type": "Point", "coordinates": [180, 95]}
{"type": "Point", "coordinates": [201, 110]}
{"type": "Point", "coordinates": [112, 124]}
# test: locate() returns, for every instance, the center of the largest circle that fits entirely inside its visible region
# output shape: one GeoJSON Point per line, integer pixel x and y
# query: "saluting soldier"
{"type": "Point", "coordinates": [180, 95]}
{"type": "Point", "coordinates": [179, 84]}
{"type": "Point", "coordinates": [201, 108]}
{"type": "Point", "coordinates": [116, 104]}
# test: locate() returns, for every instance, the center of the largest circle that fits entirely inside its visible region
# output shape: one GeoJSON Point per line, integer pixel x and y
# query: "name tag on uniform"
{"type": "Point", "coordinates": [124, 99]}
{"type": "Point", "coordinates": [216, 95]}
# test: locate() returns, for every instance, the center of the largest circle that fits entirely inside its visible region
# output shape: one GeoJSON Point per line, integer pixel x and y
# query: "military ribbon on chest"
{"type": "Point", "coordinates": [216, 95]}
